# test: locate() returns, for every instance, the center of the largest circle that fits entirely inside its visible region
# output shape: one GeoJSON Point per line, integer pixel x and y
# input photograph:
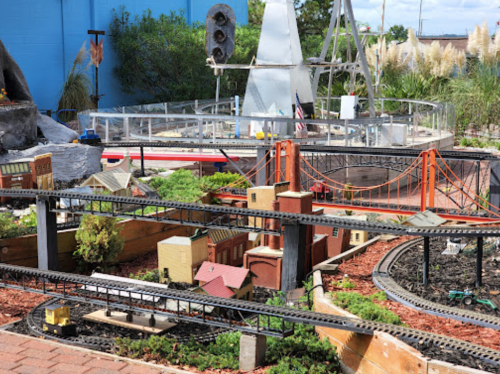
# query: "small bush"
{"type": "Point", "coordinates": [99, 242]}
{"type": "Point", "coordinates": [10, 229]}
{"type": "Point", "coordinates": [365, 308]}
{"type": "Point", "coordinates": [346, 283]}
{"type": "Point", "coordinates": [147, 275]}
{"type": "Point", "coordinates": [464, 142]}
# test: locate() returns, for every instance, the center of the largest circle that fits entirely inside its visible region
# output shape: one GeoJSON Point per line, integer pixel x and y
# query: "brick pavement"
{"type": "Point", "coordinates": [27, 355]}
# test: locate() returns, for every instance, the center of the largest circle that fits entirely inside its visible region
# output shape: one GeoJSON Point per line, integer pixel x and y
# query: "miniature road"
{"type": "Point", "coordinates": [25, 355]}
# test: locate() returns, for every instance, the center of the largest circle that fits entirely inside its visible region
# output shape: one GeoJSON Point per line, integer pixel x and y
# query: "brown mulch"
{"type": "Point", "coordinates": [359, 269]}
{"type": "Point", "coordinates": [16, 304]}
{"type": "Point", "coordinates": [149, 261]}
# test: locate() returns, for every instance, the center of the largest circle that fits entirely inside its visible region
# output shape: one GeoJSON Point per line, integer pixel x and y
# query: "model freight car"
{"type": "Point", "coordinates": [89, 137]}
{"type": "Point", "coordinates": [57, 320]}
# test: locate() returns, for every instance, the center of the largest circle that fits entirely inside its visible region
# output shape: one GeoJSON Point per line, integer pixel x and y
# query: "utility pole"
{"type": "Point", "coordinates": [420, 19]}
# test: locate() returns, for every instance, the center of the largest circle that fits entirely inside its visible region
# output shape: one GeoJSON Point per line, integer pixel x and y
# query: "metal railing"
{"type": "Point", "coordinates": [214, 122]}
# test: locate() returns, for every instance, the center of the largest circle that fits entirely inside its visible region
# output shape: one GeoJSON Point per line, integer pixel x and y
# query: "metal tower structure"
{"type": "Point", "coordinates": [355, 65]}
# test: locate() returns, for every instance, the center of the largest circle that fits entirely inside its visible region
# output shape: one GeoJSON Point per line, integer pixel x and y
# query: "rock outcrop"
{"type": "Point", "coordinates": [18, 122]}
{"type": "Point", "coordinates": [54, 132]}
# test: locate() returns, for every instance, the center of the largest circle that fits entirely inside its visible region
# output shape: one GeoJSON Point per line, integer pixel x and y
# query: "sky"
{"type": "Point", "coordinates": [440, 16]}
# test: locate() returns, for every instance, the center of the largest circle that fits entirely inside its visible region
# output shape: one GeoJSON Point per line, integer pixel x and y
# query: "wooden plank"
{"type": "Point", "coordinates": [139, 323]}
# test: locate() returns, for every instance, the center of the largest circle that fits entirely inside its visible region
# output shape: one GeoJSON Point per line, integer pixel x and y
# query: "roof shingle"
{"type": "Point", "coordinates": [233, 277]}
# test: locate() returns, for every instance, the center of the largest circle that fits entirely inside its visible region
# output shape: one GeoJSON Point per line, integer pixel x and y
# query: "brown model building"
{"type": "Point", "coordinates": [227, 246]}
{"type": "Point", "coordinates": [266, 261]}
{"type": "Point", "coordinates": [32, 173]}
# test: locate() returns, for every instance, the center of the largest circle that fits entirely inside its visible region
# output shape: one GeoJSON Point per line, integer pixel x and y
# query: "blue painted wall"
{"type": "Point", "coordinates": [44, 37]}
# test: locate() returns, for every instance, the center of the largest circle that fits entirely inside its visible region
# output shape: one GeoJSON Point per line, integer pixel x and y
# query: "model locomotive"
{"type": "Point", "coordinates": [57, 320]}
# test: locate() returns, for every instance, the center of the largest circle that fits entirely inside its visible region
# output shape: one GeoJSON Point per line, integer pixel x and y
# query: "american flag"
{"type": "Point", "coordinates": [300, 127]}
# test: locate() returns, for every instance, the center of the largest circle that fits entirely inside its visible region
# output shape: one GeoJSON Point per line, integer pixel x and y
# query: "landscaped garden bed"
{"type": "Point", "coordinates": [450, 272]}
{"type": "Point", "coordinates": [359, 270]}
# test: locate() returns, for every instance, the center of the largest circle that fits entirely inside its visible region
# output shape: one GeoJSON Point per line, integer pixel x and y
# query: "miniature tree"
{"type": "Point", "coordinates": [99, 242]}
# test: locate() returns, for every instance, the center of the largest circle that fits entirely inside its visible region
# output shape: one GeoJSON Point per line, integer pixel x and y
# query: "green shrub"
{"type": "Point", "coordinates": [99, 242]}
{"type": "Point", "coordinates": [464, 142]}
{"type": "Point", "coordinates": [302, 352]}
{"type": "Point", "coordinates": [10, 229]}
{"type": "Point", "coordinates": [182, 185]}
{"type": "Point", "coordinates": [29, 220]}
{"type": "Point", "coordinates": [147, 275]}
{"type": "Point", "coordinates": [346, 283]}
{"type": "Point", "coordinates": [227, 178]}
{"type": "Point", "coordinates": [365, 308]}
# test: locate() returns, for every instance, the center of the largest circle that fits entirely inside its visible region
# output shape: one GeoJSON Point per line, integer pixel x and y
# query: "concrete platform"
{"type": "Point", "coordinates": [120, 319]}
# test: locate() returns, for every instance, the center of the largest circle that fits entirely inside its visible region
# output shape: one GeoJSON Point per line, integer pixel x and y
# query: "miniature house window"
{"type": "Point", "coordinates": [254, 198]}
{"type": "Point", "coordinates": [218, 258]}
{"type": "Point", "coordinates": [38, 169]}
{"type": "Point", "coordinates": [224, 257]}
{"type": "Point", "coordinates": [165, 273]}
{"type": "Point", "coordinates": [335, 232]}
{"type": "Point", "coordinates": [357, 236]}
{"type": "Point", "coordinates": [235, 252]}
{"type": "Point", "coordinates": [241, 251]}
{"type": "Point", "coordinates": [48, 166]}
{"type": "Point", "coordinates": [43, 168]}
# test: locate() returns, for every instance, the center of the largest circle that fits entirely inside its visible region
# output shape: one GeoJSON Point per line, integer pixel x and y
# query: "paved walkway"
{"type": "Point", "coordinates": [27, 355]}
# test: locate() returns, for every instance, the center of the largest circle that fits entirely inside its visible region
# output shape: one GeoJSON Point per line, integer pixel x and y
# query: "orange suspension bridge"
{"type": "Point", "coordinates": [400, 186]}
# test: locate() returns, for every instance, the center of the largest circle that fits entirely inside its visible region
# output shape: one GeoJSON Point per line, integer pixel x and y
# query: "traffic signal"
{"type": "Point", "coordinates": [219, 36]}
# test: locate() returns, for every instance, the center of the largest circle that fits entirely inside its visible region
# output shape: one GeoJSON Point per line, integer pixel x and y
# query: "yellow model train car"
{"type": "Point", "coordinates": [57, 320]}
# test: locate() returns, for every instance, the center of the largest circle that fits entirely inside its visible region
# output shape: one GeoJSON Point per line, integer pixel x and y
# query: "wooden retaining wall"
{"type": "Point", "coordinates": [140, 237]}
{"type": "Point", "coordinates": [377, 354]}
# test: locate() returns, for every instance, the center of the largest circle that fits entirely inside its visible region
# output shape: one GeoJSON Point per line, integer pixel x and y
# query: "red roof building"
{"type": "Point", "coordinates": [225, 281]}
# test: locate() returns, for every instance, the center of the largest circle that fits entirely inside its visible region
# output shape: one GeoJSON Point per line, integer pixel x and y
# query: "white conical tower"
{"type": "Point", "coordinates": [274, 88]}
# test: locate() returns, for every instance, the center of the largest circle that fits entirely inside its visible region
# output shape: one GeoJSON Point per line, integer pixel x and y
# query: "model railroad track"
{"type": "Point", "coordinates": [14, 277]}
{"type": "Point", "coordinates": [36, 317]}
{"type": "Point", "coordinates": [35, 320]}
{"type": "Point", "coordinates": [285, 218]}
{"type": "Point", "coordinates": [384, 281]}
{"type": "Point", "coordinates": [389, 152]}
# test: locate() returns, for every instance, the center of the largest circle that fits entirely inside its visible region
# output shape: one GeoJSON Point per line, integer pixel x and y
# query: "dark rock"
{"type": "Point", "coordinates": [12, 78]}
{"type": "Point", "coordinates": [18, 122]}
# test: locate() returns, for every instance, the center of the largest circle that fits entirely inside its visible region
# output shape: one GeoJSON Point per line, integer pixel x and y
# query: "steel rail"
{"type": "Point", "coordinates": [37, 315]}
{"type": "Point", "coordinates": [284, 218]}
{"type": "Point", "coordinates": [383, 280]}
{"type": "Point", "coordinates": [15, 277]}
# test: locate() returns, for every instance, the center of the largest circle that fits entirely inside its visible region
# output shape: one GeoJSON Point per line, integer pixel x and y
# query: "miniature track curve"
{"type": "Point", "coordinates": [35, 318]}
{"type": "Point", "coordinates": [287, 314]}
{"type": "Point", "coordinates": [383, 281]}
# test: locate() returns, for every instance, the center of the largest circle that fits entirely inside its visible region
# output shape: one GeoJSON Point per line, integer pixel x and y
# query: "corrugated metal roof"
{"type": "Point", "coordinates": [147, 191]}
{"type": "Point", "coordinates": [424, 219]}
{"type": "Point", "coordinates": [216, 287]}
{"type": "Point", "coordinates": [66, 203]}
{"type": "Point", "coordinates": [217, 236]}
{"type": "Point", "coordinates": [114, 180]}
{"type": "Point", "coordinates": [233, 277]}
